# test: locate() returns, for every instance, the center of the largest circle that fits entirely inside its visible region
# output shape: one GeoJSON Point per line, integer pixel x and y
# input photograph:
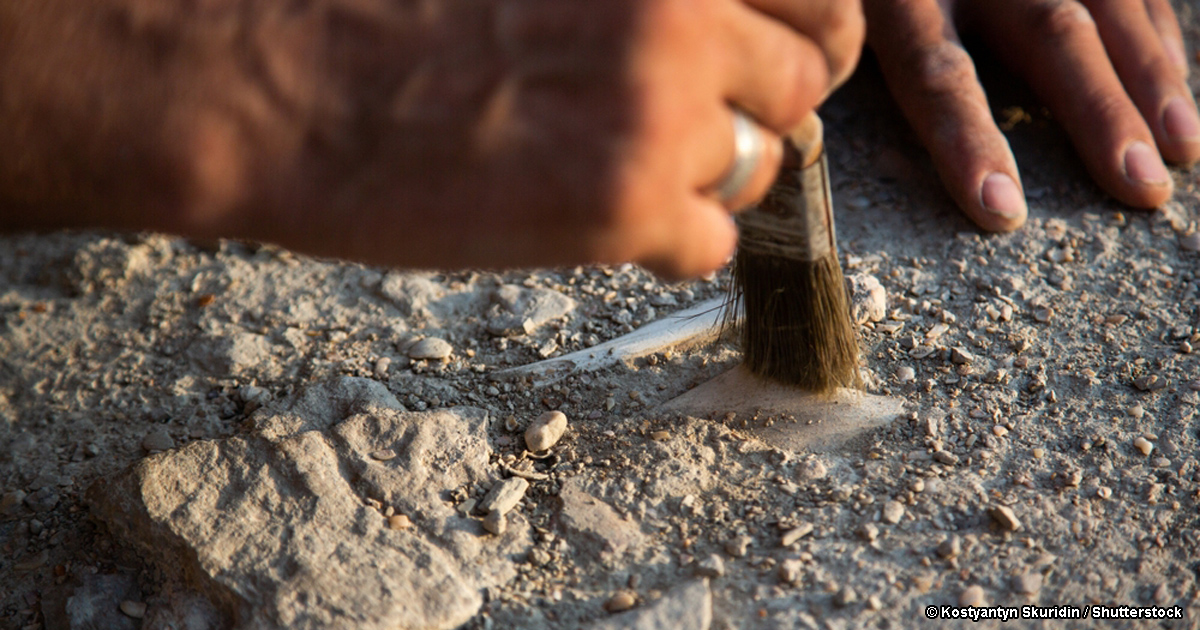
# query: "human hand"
{"type": "Point", "coordinates": [1112, 72]}
{"type": "Point", "coordinates": [471, 133]}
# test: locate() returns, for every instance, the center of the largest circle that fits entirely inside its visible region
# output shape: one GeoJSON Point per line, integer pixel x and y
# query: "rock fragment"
{"type": "Point", "coordinates": [960, 356]}
{"type": "Point", "coordinates": [1005, 518]}
{"type": "Point", "coordinates": [504, 496]}
{"type": "Point", "coordinates": [711, 567]}
{"type": "Point", "coordinates": [496, 522]}
{"type": "Point", "coordinates": [133, 609]}
{"type": "Point", "coordinates": [845, 597]}
{"type": "Point", "coordinates": [893, 511]}
{"type": "Point", "coordinates": [950, 547]}
{"type": "Point", "coordinates": [794, 534]}
{"type": "Point", "coordinates": [1027, 583]}
{"type": "Point", "coordinates": [621, 601]}
{"type": "Point", "coordinates": [945, 457]}
{"type": "Point", "coordinates": [1144, 446]}
{"type": "Point", "coordinates": [868, 532]}
{"type": "Point", "coordinates": [972, 596]}
{"type": "Point", "coordinates": [868, 298]}
{"type": "Point", "coordinates": [546, 431]}
{"type": "Point", "coordinates": [811, 470]}
{"type": "Point", "coordinates": [431, 349]}
{"type": "Point", "coordinates": [158, 440]}
{"type": "Point", "coordinates": [738, 546]}
{"type": "Point", "coordinates": [11, 501]}
{"type": "Point", "coordinates": [686, 607]}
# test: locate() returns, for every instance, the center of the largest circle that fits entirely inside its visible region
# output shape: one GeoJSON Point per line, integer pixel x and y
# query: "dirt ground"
{"type": "Point", "coordinates": [1046, 453]}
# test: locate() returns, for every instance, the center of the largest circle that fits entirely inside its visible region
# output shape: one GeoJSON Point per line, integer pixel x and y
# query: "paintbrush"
{"type": "Point", "coordinates": [796, 327]}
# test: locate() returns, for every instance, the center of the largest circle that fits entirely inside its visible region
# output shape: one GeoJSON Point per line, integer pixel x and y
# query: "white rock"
{"type": "Point", "coordinates": [905, 374]}
{"type": "Point", "coordinates": [546, 431]}
{"type": "Point", "coordinates": [893, 511]}
{"type": "Point", "coordinates": [504, 496]}
{"type": "Point", "coordinates": [868, 298]}
{"type": "Point", "coordinates": [431, 348]}
{"type": "Point", "coordinates": [1005, 517]}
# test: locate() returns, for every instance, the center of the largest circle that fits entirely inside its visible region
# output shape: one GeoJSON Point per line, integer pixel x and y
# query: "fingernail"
{"type": "Point", "coordinates": [1176, 52]}
{"type": "Point", "coordinates": [1180, 120]}
{"type": "Point", "coordinates": [1143, 165]}
{"type": "Point", "coordinates": [1001, 195]}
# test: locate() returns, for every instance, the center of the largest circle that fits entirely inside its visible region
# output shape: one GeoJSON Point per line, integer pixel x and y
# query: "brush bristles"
{"type": "Point", "coordinates": [802, 333]}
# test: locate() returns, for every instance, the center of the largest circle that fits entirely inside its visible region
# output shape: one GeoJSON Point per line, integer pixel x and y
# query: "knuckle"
{"type": "Point", "coordinates": [942, 69]}
{"type": "Point", "coordinates": [1058, 18]}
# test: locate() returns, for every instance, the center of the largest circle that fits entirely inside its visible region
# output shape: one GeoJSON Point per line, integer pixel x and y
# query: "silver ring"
{"type": "Point", "coordinates": [748, 149]}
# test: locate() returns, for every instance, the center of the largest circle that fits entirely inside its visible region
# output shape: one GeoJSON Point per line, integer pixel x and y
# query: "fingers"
{"type": "Point", "coordinates": [1143, 63]}
{"type": "Point", "coordinates": [933, 80]}
{"type": "Point", "coordinates": [1056, 46]}
{"type": "Point", "coordinates": [1167, 24]}
{"type": "Point", "coordinates": [769, 69]}
{"type": "Point", "coordinates": [836, 26]}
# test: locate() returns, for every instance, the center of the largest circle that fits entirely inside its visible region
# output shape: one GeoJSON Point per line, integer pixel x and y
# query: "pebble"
{"type": "Point", "coordinates": [1043, 315]}
{"type": "Point", "coordinates": [959, 356]}
{"type": "Point", "coordinates": [1150, 383]}
{"type": "Point", "coordinates": [945, 457]}
{"type": "Point", "coordinates": [950, 548]}
{"type": "Point", "coordinates": [874, 603]}
{"type": "Point", "coordinates": [917, 485]}
{"type": "Point", "coordinates": [972, 596]}
{"type": "Point", "coordinates": [11, 501]}
{"type": "Point", "coordinates": [893, 511]}
{"type": "Point", "coordinates": [811, 470]}
{"type": "Point", "coordinates": [505, 495]}
{"type": "Point", "coordinates": [495, 522]}
{"type": "Point", "coordinates": [999, 430]}
{"type": "Point", "coordinates": [1028, 583]}
{"type": "Point", "coordinates": [546, 431]}
{"type": "Point", "coordinates": [1004, 516]}
{"type": "Point", "coordinates": [796, 533]}
{"type": "Point", "coordinates": [906, 374]}
{"type": "Point", "coordinates": [539, 557]}
{"type": "Point", "coordinates": [35, 561]}
{"type": "Point", "coordinates": [660, 436]}
{"type": "Point", "coordinates": [621, 601]}
{"type": "Point", "coordinates": [844, 597]}
{"type": "Point", "coordinates": [137, 610]}
{"type": "Point", "coordinates": [35, 526]}
{"type": "Point", "coordinates": [868, 532]}
{"type": "Point", "coordinates": [738, 546]}
{"type": "Point", "coordinates": [711, 567]}
{"type": "Point", "coordinates": [381, 367]}
{"type": "Point", "coordinates": [1136, 411]}
{"type": "Point", "coordinates": [1144, 446]}
{"type": "Point", "coordinates": [158, 440]}
{"type": "Point", "coordinates": [431, 348]}
{"type": "Point", "coordinates": [383, 454]}
{"type": "Point", "coordinates": [399, 522]}
{"type": "Point", "coordinates": [789, 571]}
{"type": "Point", "coordinates": [1104, 492]}
{"type": "Point", "coordinates": [1190, 242]}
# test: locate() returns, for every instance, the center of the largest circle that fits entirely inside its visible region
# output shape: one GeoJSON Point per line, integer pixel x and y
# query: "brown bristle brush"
{"type": "Point", "coordinates": [796, 327]}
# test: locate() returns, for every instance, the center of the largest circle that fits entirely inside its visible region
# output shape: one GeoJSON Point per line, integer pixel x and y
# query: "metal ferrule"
{"type": "Point", "coordinates": [795, 220]}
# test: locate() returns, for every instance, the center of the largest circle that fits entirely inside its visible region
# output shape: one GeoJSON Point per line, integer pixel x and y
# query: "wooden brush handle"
{"type": "Point", "coordinates": [808, 141]}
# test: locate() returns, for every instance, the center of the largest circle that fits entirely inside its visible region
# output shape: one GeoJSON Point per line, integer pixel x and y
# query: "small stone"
{"type": "Point", "coordinates": [868, 298]}
{"type": "Point", "coordinates": [1150, 383]}
{"type": "Point", "coordinates": [1027, 583]}
{"type": "Point", "coordinates": [905, 374]}
{"type": "Point", "coordinates": [959, 356]}
{"type": "Point", "coordinates": [505, 495]}
{"type": "Point", "coordinates": [137, 610]}
{"type": "Point", "coordinates": [546, 431]}
{"type": "Point", "coordinates": [893, 511]}
{"type": "Point", "coordinates": [399, 522]}
{"type": "Point", "coordinates": [945, 457]}
{"type": "Point", "coordinates": [796, 533]}
{"type": "Point", "coordinates": [738, 546]}
{"type": "Point", "coordinates": [1144, 446]}
{"type": "Point", "coordinates": [11, 501]}
{"type": "Point", "coordinates": [158, 440]}
{"type": "Point", "coordinates": [1039, 452]}
{"type": "Point", "coordinates": [382, 364]}
{"type": "Point", "coordinates": [811, 470]}
{"type": "Point", "coordinates": [495, 522]}
{"type": "Point", "coordinates": [950, 548]}
{"type": "Point", "coordinates": [621, 601]}
{"type": "Point", "coordinates": [711, 567]}
{"type": "Point", "coordinates": [917, 485]}
{"type": "Point", "coordinates": [1136, 411]}
{"type": "Point", "coordinates": [431, 349]}
{"type": "Point", "coordinates": [35, 526]}
{"type": "Point", "coordinates": [660, 436]}
{"type": "Point", "coordinates": [1190, 242]}
{"type": "Point", "coordinates": [383, 454]}
{"type": "Point", "coordinates": [1043, 315]}
{"type": "Point", "coordinates": [539, 557]}
{"type": "Point", "coordinates": [1004, 516]}
{"type": "Point", "coordinates": [999, 431]}
{"type": "Point", "coordinates": [868, 532]}
{"type": "Point", "coordinates": [874, 603]}
{"type": "Point", "coordinates": [789, 571]}
{"type": "Point", "coordinates": [972, 596]}
{"type": "Point", "coordinates": [844, 597]}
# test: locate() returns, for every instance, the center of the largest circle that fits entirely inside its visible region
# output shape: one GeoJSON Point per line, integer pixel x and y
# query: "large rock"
{"type": "Point", "coordinates": [517, 310]}
{"type": "Point", "coordinates": [277, 526]}
{"type": "Point", "coordinates": [593, 525]}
